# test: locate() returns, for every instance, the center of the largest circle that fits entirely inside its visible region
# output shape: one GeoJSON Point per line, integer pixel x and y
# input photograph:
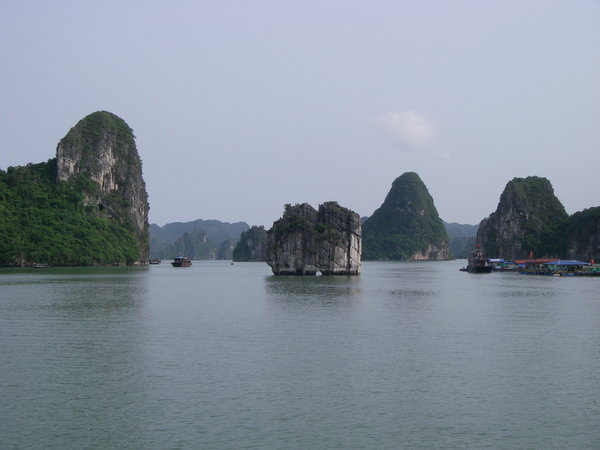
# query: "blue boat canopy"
{"type": "Point", "coordinates": [567, 262]}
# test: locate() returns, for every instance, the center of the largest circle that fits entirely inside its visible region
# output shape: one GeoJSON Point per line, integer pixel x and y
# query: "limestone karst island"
{"type": "Point", "coordinates": [88, 206]}
{"type": "Point", "coordinates": [407, 225]}
{"type": "Point", "coordinates": [531, 232]}
{"type": "Point", "coordinates": [306, 241]}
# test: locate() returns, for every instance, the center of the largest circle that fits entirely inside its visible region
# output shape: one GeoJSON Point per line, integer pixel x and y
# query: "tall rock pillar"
{"type": "Point", "coordinates": [306, 241]}
{"type": "Point", "coordinates": [100, 154]}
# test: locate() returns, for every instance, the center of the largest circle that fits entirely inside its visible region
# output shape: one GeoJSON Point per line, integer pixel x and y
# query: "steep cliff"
{"type": "Point", "coordinates": [100, 154]}
{"type": "Point", "coordinates": [194, 245]}
{"type": "Point", "coordinates": [87, 206]}
{"type": "Point", "coordinates": [577, 237]}
{"type": "Point", "coordinates": [225, 250]}
{"type": "Point", "coordinates": [252, 245]}
{"type": "Point", "coordinates": [406, 226]}
{"type": "Point", "coordinates": [306, 241]}
{"type": "Point", "coordinates": [581, 236]}
{"type": "Point", "coordinates": [525, 220]}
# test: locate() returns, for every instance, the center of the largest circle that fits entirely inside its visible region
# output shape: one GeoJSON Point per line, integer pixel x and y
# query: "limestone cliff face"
{"type": "Point", "coordinates": [194, 245]}
{"type": "Point", "coordinates": [306, 241]}
{"type": "Point", "coordinates": [581, 236]}
{"type": "Point", "coordinates": [252, 245]}
{"type": "Point", "coordinates": [100, 154]}
{"type": "Point", "coordinates": [407, 225]}
{"type": "Point", "coordinates": [527, 209]}
{"type": "Point", "coordinates": [221, 238]}
{"type": "Point", "coordinates": [225, 250]}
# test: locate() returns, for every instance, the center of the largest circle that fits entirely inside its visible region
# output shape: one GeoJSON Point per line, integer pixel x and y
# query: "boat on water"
{"type": "Point", "coordinates": [181, 261]}
{"type": "Point", "coordinates": [155, 261]}
{"type": "Point", "coordinates": [477, 262]}
{"type": "Point", "coordinates": [40, 265]}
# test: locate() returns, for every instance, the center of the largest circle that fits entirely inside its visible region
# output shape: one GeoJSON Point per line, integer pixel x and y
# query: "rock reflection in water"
{"type": "Point", "coordinates": [319, 291]}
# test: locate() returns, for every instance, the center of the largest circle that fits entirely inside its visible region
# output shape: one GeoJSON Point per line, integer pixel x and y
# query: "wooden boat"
{"type": "Point", "coordinates": [181, 261]}
{"type": "Point", "coordinates": [155, 261]}
{"type": "Point", "coordinates": [478, 263]}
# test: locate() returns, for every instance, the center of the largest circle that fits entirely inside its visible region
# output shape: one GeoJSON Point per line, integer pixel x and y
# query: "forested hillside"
{"type": "Point", "coordinates": [45, 221]}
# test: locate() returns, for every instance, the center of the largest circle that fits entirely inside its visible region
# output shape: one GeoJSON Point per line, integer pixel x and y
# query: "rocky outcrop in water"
{"type": "Point", "coordinates": [306, 241]}
{"type": "Point", "coordinates": [406, 226]}
{"type": "Point", "coordinates": [524, 221]}
{"type": "Point", "coordinates": [100, 156]}
{"type": "Point", "coordinates": [252, 245]}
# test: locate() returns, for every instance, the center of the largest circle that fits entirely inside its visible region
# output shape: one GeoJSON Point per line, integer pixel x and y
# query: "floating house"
{"type": "Point", "coordinates": [566, 267]}
{"type": "Point", "coordinates": [501, 265]}
{"type": "Point", "coordinates": [534, 266]}
{"type": "Point", "coordinates": [557, 267]}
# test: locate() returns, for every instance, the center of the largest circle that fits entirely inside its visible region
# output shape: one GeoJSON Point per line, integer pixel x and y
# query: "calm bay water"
{"type": "Point", "coordinates": [408, 355]}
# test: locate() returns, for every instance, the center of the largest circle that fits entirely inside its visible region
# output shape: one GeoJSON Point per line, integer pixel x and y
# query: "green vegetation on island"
{"type": "Point", "coordinates": [406, 226]}
{"type": "Point", "coordinates": [574, 237]}
{"type": "Point", "coordinates": [252, 245]}
{"type": "Point", "coordinates": [87, 206]}
{"type": "Point", "coordinates": [527, 219]}
{"type": "Point", "coordinates": [42, 220]}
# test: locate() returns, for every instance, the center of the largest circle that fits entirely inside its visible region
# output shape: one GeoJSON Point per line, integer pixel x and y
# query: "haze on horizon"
{"type": "Point", "coordinates": [240, 107]}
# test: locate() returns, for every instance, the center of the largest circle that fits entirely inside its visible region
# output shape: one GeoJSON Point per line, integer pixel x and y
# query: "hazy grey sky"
{"type": "Point", "coordinates": [242, 106]}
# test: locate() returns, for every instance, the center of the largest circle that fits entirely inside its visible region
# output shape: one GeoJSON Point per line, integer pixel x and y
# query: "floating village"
{"type": "Point", "coordinates": [478, 263]}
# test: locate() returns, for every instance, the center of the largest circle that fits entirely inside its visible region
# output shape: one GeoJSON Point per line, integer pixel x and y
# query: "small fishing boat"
{"type": "Point", "coordinates": [181, 261]}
